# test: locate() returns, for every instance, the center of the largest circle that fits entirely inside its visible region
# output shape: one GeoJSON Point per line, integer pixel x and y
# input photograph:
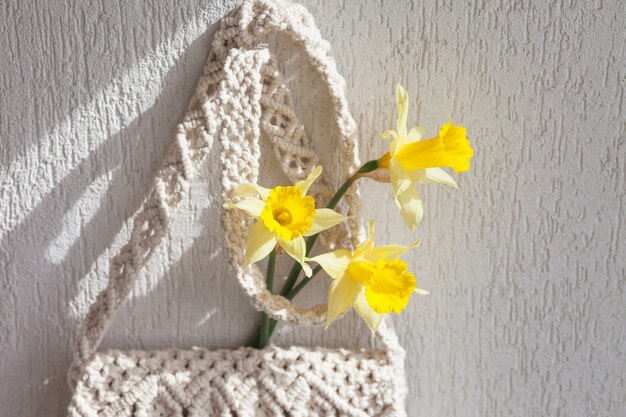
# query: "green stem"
{"type": "Point", "coordinates": [297, 268]}
{"type": "Point", "coordinates": [292, 294]}
{"type": "Point", "coordinates": [298, 287]}
{"type": "Point", "coordinates": [254, 339]}
{"type": "Point", "coordinates": [264, 332]}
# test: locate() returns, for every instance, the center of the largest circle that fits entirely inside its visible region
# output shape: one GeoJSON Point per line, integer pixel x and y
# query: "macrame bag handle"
{"type": "Point", "coordinates": [251, 23]}
{"type": "Point", "coordinates": [240, 93]}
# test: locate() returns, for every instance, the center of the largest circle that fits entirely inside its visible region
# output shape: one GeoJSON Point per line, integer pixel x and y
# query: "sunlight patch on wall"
{"type": "Point", "coordinates": [84, 209]}
{"type": "Point", "coordinates": [186, 231]}
{"type": "Point", "coordinates": [120, 103]}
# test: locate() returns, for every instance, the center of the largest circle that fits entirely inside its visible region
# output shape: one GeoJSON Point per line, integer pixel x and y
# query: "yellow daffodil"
{"type": "Point", "coordinates": [285, 215]}
{"type": "Point", "coordinates": [411, 160]}
{"type": "Point", "coordinates": [371, 279]}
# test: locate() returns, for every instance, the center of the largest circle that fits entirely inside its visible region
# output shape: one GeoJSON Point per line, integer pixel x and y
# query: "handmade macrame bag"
{"type": "Point", "coordinates": [240, 94]}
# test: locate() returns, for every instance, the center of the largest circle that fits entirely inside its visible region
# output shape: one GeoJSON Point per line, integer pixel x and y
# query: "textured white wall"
{"type": "Point", "coordinates": [525, 264]}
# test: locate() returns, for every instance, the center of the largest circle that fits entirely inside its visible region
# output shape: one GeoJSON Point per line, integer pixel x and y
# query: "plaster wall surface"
{"type": "Point", "coordinates": [525, 263]}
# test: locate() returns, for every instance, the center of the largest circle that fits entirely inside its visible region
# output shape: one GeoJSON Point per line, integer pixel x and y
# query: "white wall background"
{"type": "Point", "coordinates": [525, 264]}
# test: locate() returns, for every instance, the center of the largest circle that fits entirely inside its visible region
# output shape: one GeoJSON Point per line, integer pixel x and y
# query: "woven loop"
{"type": "Point", "coordinates": [240, 93]}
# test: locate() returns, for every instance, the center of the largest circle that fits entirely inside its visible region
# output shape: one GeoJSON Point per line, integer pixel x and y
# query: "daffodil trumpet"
{"type": "Point", "coordinates": [411, 160]}
{"type": "Point", "coordinates": [371, 279]}
{"type": "Point", "coordinates": [285, 215]}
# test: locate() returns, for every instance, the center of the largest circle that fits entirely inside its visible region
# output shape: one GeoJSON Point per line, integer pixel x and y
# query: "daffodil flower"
{"type": "Point", "coordinates": [371, 279]}
{"type": "Point", "coordinates": [411, 160]}
{"type": "Point", "coordinates": [285, 216]}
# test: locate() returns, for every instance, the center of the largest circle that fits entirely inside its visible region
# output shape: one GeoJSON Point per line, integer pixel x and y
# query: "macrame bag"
{"type": "Point", "coordinates": [240, 94]}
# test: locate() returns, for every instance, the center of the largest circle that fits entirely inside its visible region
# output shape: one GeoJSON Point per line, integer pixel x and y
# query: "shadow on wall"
{"type": "Point", "coordinates": [36, 346]}
{"type": "Point", "coordinates": [79, 50]}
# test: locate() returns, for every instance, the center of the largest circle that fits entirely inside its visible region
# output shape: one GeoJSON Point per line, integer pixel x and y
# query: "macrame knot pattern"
{"type": "Point", "coordinates": [240, 95]}
{"type": "Point", "coordinates": [244, 382]}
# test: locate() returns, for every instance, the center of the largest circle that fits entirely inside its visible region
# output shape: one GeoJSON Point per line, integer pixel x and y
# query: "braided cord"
{"type": "Point", "coordinates": [240, 93]}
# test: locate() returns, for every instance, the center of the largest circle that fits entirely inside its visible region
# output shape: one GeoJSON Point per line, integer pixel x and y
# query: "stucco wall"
{"type": "Point", "coordinates": [525, 263]}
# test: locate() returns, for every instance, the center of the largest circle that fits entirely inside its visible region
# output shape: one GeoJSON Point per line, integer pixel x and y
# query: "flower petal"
{"type": "Point", "coordinates": [296, 248]}
{"type": "Point", "coordinates": [306, 183]}
{"type": "Point", "coordinates": [400, 178]}
{"type": "Point", "coordinates": [389, 252]}
{"type": "Point", "coordinates": [248, 189]}
{"type": "Point", "coordinates": [421, 291]}
{"type": "Point", "coordinates": [260, 243]}
{"type": "Point", "coordinates": [369, 242]}
{"type": "Point", "coordinates": [415, 134]}
{"type": "Point", "coordinates": [324, 219]}
{"type": "Point", "coordinates": [363, 309]}
{"type": "Point", "coordinates": [252, 206]}
{"type": "Point", "coordinates": [341, 296]}
{"type": "Point", "coordinates": [435, 176]}
{"type": "Point", "coordinates": [411, 207]}
{"type": "Point", "coordinates": [334, 263]}
{"type": "Point", "coordinates": [403, 109]}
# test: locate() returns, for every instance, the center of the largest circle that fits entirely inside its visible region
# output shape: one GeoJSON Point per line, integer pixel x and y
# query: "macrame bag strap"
{"type": "Point", "coordinates": [240, 93]}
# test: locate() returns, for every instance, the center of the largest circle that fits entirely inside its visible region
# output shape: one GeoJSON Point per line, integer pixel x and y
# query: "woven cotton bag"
{"type": "Point", "coordinates": [240, 94]}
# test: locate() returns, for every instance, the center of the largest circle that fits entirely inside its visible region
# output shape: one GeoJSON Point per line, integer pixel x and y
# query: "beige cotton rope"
{"type": "Point", "coordinates": [240, 94]}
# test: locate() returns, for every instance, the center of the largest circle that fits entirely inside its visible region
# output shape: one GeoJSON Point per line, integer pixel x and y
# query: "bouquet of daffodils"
{"type": "Point", "coordinates": [371, 279]}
